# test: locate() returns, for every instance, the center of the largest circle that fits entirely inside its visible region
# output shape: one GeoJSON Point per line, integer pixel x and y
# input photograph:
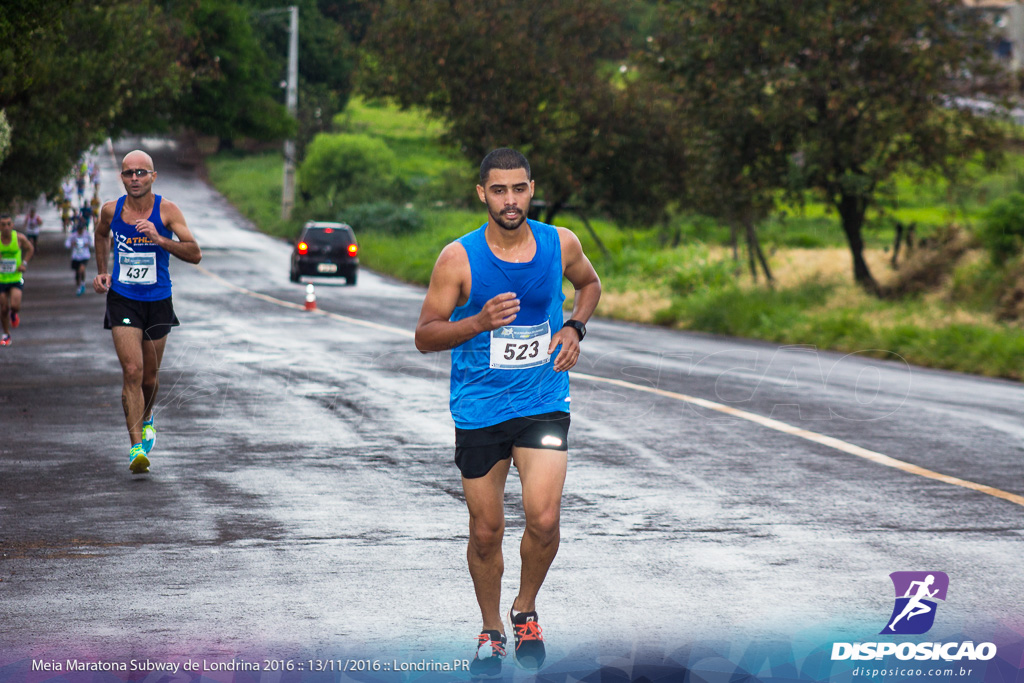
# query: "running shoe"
{"type": "Point", "coordinates": [138, 462]}
{"type": "Point", "coordinates": [81, 290]}
{"type": "Point", "coordinates": [529, 651]}
{"type": "Point", "coordinates": [5, 340]}
{"type": "Point", "coordinates": [15, 319]}
{"type": "Point", "coordinates": [148, 435]}
{"type": "Point", "coordinates": [490, 651]}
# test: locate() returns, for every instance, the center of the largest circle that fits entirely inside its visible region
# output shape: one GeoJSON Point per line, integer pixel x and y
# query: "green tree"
{"type": "Point", "coordinates": [233, 90]}
{"type": "Point", "coordinates": [736, 154]}
{"type": "Point", "coordinates": [67, 76]}
{"type": "Point", "coordinates": [538, 77]}
{"type": "Point", "coordinates": [355, 16]}
{"type": "Point", "coordinates": [1002, 228]}
{"type": "Point", "coordinates": [326, 58]}
{"type": "Point", "coordinates": [848, 91]}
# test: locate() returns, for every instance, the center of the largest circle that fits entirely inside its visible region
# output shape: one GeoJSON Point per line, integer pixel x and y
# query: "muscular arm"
{"type": "Point", "coordinates": [185, 247]}
{"type": "Point", "coordinates": [26, 250]}
{"type": "Point", "coordinates": [577, 270]}
{"type": "Point", "coordinates": [449, 286]}
{"type": "Point", "coordinates": [101, 244]}
{"type": "Point", "coordinates": [580, 272]}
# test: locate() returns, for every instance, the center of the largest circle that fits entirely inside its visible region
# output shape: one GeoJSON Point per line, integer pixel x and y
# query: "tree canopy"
{"type": "Point", "coordinates": [233, 90]}
{"type": "Point", "coordinates": [732, 106]}
{"type": "Point", "coordinates": [827, 94]}
{"type": "Point", "coordinates": [68, 77]}
{"type": "Point", "coordinates": [326, 57]}
{"type": "Point", "coordinates": [73, 73]}
{"type": "Point", "coordinates": [537, 77]}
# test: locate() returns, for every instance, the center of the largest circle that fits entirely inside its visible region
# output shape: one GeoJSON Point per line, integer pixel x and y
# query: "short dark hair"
{"type": "Point", "coordinates": [5, 215]}
{"type": "Point", "coordinates": [503, 159]}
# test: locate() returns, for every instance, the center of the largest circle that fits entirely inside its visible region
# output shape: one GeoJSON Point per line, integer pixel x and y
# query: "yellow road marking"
{"type": "Point", "coordinates": [778, 426]}
{"type": "Point", "coordinates": [829, 441]}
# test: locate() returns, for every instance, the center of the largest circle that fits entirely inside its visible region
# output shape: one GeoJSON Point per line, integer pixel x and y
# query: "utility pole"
{"type": "Point", "coordinates": [291, 104]}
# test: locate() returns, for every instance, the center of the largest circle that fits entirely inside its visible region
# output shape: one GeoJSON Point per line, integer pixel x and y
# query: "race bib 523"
{"type": "Point", "coordinates": [515, 347]}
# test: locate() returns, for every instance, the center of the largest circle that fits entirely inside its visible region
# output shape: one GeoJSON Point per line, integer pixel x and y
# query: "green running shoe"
{"type": "Point", "coordinates": [138, 462]}
{"type": "Point", "coordinates": [148, 435]}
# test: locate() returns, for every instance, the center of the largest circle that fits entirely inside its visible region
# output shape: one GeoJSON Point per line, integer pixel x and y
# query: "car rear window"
{"type": "Point", "coordinates": [327, 236]}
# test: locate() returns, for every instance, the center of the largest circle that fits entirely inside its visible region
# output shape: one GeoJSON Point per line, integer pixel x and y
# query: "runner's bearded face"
{"type": "Point", "coordinates": [508, 195]}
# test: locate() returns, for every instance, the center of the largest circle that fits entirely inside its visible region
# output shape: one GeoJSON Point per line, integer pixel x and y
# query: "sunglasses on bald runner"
{"type": "Point", "coordinates": [136, 172]}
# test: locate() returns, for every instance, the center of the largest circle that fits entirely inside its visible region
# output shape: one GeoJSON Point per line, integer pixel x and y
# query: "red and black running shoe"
{"type": "Point", "coordinates": [15, 320]}
{"type": "Point", "coordinates": [490, 651]}
{"type": "Point", "coordinates": [529, 651]}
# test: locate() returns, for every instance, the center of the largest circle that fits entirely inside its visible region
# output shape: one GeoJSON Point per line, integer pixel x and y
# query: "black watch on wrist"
{"type": "Point", "coordinates": [580, 328]}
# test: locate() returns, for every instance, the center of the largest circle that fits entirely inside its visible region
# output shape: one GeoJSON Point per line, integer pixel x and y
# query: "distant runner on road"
{"type": "Point", "coordinates": [30, 225]}
{"type": "Point", "coordinates": [495, 299]}
{"type": "Point", "coordinates": [80, 244]}
{"type": "Point", "coordinates": [94, 176]}
{"type": "Point", "coordinates": [15, 252]}
{"type": "Point", "coordinates": [140, 227]}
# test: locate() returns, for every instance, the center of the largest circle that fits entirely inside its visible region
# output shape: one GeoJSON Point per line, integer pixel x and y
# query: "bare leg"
{"type": "Point", "coordinates": [5, 312]}
{"type": "Point", "coordinates": [152, 356]}
{"type": "Point", "coordinates": [14, 297]}
{"type": "Point", "coordinates": [128, 345]}
{"type": "Point", "coordinates": [542, 473]}
{"type": "Point", "coordinates": [485, 498]}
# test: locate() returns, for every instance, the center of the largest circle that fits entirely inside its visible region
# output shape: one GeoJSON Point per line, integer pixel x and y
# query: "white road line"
{"type": "Point", "coordinates": [778, 426]}
{"type": "Point", "coordinates": [302, 307]}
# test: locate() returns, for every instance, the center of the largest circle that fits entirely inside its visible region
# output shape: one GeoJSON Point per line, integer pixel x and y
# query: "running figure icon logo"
{"type": "Point", "coordinates": [916, 595]}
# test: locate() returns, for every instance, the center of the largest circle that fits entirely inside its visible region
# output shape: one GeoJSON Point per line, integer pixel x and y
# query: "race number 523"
{"type": "Point", "coordinates": [515, 347]}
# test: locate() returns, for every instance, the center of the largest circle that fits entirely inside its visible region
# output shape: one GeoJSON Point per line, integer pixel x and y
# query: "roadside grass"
{"type": "Point", "coordinates": [411, 257]}
{"type": "Point", "coordinates": [697, 285]}
{"type": "Point", "coordinates": [837, 316]}
{"type": "Point", "coordinates": [252, 183]}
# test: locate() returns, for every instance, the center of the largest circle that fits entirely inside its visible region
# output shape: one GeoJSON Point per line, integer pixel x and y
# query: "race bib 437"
{"type": "Point", "coordinates": [137, 268]}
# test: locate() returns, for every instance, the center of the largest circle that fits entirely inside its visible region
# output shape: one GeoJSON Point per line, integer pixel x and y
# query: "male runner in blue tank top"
{"type": "Point", "coordinates": [495, 299]}
{"type": "Point", "coordinates": [140, 227]}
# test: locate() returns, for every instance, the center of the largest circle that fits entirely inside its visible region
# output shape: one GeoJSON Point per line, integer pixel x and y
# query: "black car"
{"type": "Point", "coordinates": [326, 250]}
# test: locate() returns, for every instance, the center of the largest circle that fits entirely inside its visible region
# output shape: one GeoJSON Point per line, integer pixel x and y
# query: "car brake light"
{"type": "Point", "coordinates": [328, 231]}
{"type": "Point", "coordinates": [303, 247]}
{"type": "Point", "coordinates": [353, 249]}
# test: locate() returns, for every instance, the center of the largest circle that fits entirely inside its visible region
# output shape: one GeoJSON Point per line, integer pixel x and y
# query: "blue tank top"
{"type": "Point", "coordinates": [140, 266]}
{"type": "Point", "coordinates": [507, 373]}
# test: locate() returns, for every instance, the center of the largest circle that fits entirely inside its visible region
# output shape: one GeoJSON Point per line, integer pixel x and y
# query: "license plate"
{"type": "Point", "coordinates": [326, 268]}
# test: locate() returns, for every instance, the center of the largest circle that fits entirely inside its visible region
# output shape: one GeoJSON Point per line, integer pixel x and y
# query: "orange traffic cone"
{"type": "Point", "coordinates": [310, 298]}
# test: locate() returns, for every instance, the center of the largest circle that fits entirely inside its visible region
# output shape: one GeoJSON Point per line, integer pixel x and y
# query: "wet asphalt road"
{"type": "Point", "coordinates": [302, 498]}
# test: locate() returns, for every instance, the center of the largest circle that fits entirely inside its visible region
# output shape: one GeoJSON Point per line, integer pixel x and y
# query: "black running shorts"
{"type": "Point", "coordinates": [478, 450]}
{"type": "Point", "coordinates": [154, 318]}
